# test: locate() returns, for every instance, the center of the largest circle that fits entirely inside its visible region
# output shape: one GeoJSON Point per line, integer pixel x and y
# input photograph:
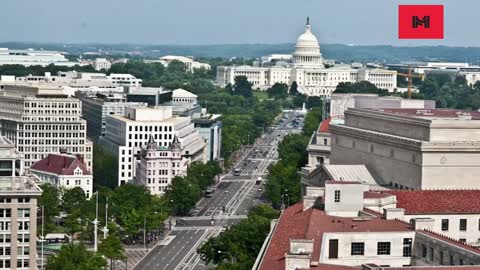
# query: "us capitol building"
{"type": "Point", "coordinates": [306, 67]}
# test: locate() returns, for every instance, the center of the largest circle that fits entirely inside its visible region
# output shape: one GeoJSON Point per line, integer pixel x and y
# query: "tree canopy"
{"type": "Point", "coordinates": [243, 241]}
{"type": "Point", "coordinates": [75, 257]}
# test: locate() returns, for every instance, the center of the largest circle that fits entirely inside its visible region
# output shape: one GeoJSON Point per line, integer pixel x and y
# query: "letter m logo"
{"type": "Point", "coordinates": [420, 21]}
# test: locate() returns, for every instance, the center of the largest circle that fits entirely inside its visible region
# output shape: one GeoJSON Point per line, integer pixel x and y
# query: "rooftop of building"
{"type": "Point", "coordinates": [296, 223]}
{"type": "Point", "coordinates": [350, 173]}
{"type": "Point", "coordinates": [182, 93]}
{"type": "Point", "coordinates": [433, 113]}
{"type": "Point", "coordinates": [434, 201]}
{"type": "Point", "coordinates": [21, 185]}
{"type": "Point", "coordinates": [61, 164]}
{"type": "Point", "coordinates": [5, 142]}
{"type": "Point", "coordinates": [324, 125]}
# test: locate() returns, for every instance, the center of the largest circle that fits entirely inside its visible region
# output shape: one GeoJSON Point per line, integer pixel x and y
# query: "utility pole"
{"type": "Point", "coordinates": [43, 235]}
{"type": "Point", "coordinates": [145, 232]}
{"type": "Point", "coordinates": [95, 227]}
{"type": "Point", "coordinates": [105, 229]}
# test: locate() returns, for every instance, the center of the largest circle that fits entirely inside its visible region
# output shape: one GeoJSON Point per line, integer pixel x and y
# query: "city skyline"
{"type": "Point", "coordinates": [216, 22]}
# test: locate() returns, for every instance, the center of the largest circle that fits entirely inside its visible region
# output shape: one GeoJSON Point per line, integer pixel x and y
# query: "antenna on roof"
{"type": "Point", "coordinates": [308, 20]}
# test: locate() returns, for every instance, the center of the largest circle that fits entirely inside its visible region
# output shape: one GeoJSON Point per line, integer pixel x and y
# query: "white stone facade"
{"type": "Point", "coordinates": [40, 121]}
{"type": "Point", "coordinates": [410, 148]}
{"type": "Point", "coordinates": [159, 165]}
{"type": "Point", "coordinates": [101, 64]}
{"type": "Point", "coordinates": [33, 58]}
{"type": "Point", "coordinates": [308, 71]}
{"type": "Point", "coordinates": [125, 136]}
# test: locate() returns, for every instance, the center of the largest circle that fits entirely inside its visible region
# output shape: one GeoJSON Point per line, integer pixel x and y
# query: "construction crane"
{"type": "Point", "coordinates": [409, 77]}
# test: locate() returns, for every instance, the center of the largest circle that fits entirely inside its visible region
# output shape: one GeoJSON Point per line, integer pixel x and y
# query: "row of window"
{"type": "Point", "coordinates": [41, 127]}
{"type": "Point", "coordinates": [383, 248]}
{"type": "Point", "coordinates": [51, 105]}
{"type": "Point", "coordinates": [150, 128]}
{"type": "Point", "coordinates": [442, 257]}
{"type": "Point", "coordinates": [7, 212]}
{"type": "Point", "coordinates": [462, 224]}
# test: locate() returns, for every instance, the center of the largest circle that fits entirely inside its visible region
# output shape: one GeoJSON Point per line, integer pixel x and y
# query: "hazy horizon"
{"type": "Point", "coordinates": [219, 22]}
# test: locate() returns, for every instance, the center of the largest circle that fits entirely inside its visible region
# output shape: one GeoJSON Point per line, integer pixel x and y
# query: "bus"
{"type": "Point", "coordinates": [236, 172]}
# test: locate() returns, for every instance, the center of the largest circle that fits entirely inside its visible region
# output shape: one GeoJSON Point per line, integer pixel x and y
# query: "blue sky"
{"type": "Point", "coordinates": [360, 22]}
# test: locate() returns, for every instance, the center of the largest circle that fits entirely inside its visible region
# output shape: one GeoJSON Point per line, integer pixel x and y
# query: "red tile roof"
{"type": "Point", "coordinates": [451, 241]}
{"type": "Point", "coordinates": [294, 223]}
{"type": "Point", "coordinates": [336, 182]}
{"type": "Point", "coordinates": [375, 195]}
{"type": "Point", "coordinates": [60, 164]}
{"type": "Point", "coordinates": [437, 201]}
{"type": "Point", "coordinates": [324, 125]}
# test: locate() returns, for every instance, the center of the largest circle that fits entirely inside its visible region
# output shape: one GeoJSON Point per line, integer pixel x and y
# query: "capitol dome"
{"type": "Point", "coordinates": [307, 50]}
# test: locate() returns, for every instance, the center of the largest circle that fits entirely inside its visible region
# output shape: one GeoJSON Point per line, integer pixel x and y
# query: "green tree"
{"type": "Point", "coordinates": [243, 241]}
{"type": "Point", "coordinates": [73, 199]}
{"type": "Point", "coordinates": [283, 181]}
{"type": "Point", "coordinates": [294, 89]}
{"type": "Point", "coordinates": [49, 202]}
{"type": "Point", "coordinates": [183, 195]}
{"type": "Point", "coordinates": [363, 87]}
{"type": "Point", "coordinates": [112, 249]}
{"type": "Point", "coordinates": [75, 257]}
{"type": "Point", "coordinates": [312, 120]}
{"type": "Point", "coordinates": [242, 87]}
{"type": "Point", "coordinates": [278, 90]}
{"type": "Point", "coordinates": [314, 102]}
{"type": "Point", "coordinates": [105, 167]}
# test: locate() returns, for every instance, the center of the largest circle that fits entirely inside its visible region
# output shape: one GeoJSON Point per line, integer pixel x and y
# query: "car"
{"type": "Point", "coordinates": [227, 191]}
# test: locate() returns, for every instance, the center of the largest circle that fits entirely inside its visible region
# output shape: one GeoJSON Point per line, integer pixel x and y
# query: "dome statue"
{"type": "Point", "coordinates": [307, 51]}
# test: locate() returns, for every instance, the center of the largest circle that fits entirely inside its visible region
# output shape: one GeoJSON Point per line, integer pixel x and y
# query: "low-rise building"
{"type": "Point", "coordinates": [332, 229]}
{"type": "Point", "coordinates": [454, 213]}
{"type": "Point", "coordinates": [153, 96]}
{"type": "Point", "coordinates": [33, 58]}
{"type": "Point", "coordinates": [190, 63]}
{"type": "Point", "coordinates": [65, 172]}
{"type": "Point", "coordinates": [159, 165]}
{"type": "Point", "coordinates": [96, 106]}
{"type": "Point", "coordinates": [11, 161]}
{"type": "Point", "coordinates": [101, 64]}
{"type": "Point", "coordinates": [125, 136]}
{"type": "Point", "coordinates": [411, 148]}
{"type": "Point", "coordinates": [339, 103]}
{"type": "Point", "coordinates": [210, 128]}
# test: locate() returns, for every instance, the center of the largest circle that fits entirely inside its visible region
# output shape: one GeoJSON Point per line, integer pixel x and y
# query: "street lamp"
{"type": "Point", "coordinates": [226, 252]}
{"type": "Point", "coordinates": [145, 244]}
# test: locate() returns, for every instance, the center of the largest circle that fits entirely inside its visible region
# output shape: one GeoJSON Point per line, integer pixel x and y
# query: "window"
{"type": "Point", "coordinates": [407, 247]}
{"type": "Point", "coordinates": [333, 249]}
{"type": "Point", "coordinates": [358, 248]}
{"type": "Point", "coordinates": [431, 254]}
{"type": "Point", "coordinates": [337, 195]}
{"type": "Point", "coordinates": [441, 257]}
{"type": "Point", "coordinates": [444, 224]}
{"type": "Point", "coordinates": [463, 224]}
{"type": "Point", "coordinates": [325, 141]}
{"type": "Point", "coordinates": [452, 262]}
{"type": "Point", "coordinates": [463, 240]}
{"type": "Point", "coordinates": [383, 248]}
{"type": "Point", "coordinates": [424, 251]}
